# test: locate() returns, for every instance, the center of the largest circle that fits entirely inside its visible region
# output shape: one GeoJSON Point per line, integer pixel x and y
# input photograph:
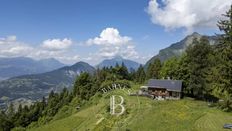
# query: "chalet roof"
{"type": "Point", "coordinates": [170, 85]}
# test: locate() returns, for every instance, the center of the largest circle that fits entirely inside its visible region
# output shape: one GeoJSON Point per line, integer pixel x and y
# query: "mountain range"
{"type": "Point", "coordinates": [11, 67]}
{"type": "Point", "coordinates": [33, 87]}
{"type": "Point", "coordinates": [131, 65]}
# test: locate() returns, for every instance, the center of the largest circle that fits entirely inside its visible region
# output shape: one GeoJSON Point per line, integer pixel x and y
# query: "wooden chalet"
{"type": "Point", "coordinates": [162, 89]}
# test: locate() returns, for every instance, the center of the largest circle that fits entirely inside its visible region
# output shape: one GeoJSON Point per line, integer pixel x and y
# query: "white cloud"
{"type": "Point", "coordinates": [108, 52]}
{"type": "Point", "coordinates": [69, 58]}
{"type": "Point", "coordinates": [11, 38]}
{"type": "Point", "coordinates": [10, 47]}
{"type": "Point", "coordinates": [66, 51]}
{"type": "Point", "coordinates": [109, 36]}
{"type": "Point", "coordinates": [188, 14]}
{"type": "Point", "coordinates": [111, 44]}
{"type": "Point", "coordinates": [8, 39]}
{"type": "Point", "coordinates": [127, 52]}
{"type": "Point", "coordinates": [16, 50]}
{"type": "Point", "coordinates": [57, 44]}
{"type": "Point", "coordinates": [130, 52]}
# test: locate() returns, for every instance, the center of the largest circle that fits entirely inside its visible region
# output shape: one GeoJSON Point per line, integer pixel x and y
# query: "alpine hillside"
{"type": "Point", "coordinates": [36, 86]}
{"type": "Point", "coordinates": [178, 48]}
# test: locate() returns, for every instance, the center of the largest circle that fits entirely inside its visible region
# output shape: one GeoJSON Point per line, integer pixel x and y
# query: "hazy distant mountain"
{"type": "Point", "coordinates": [178, 48]}
{"type": "Point", "coordinates": [118, 59]}
{"type": "Point", "coordinates": [38, 85]}
{"type": "Point", "coordinates": [10, 67]}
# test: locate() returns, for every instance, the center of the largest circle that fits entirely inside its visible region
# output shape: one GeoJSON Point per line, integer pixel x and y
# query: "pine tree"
{"type": "Point", "coordinates": [226, 26]}
{"type": "Point", "coordinates": [222, 72]}
{"type": "Point", "coordinates": [153, 70]}
{"type": "Point", "coordinates": [5, 123]}
{"type": "Point", "coordinates": [156, 69]}
{"type": "Point", "coordinates": [11, 111]}
{"type": "Point", "coordinates": [20, 108]}
{"type": "Point", "coordinates": [199, 65]}
{"type": "Point", "coordinates": [123, 71]}
{"type": "Point", "coordinates": [140, 75]}
{"type": "Point", "coordinates": [82, 86]}
{"type": "Point", "coordinates": [149, 71]}
{"type": "Point", "coordinates": [183, 74]}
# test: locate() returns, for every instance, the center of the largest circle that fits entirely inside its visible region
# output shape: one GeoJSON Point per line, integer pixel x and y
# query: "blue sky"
{"type": "Point", "coordinates": [69, 30]}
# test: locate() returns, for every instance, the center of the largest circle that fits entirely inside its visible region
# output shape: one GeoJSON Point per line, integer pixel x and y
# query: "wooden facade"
{"type": "Point", "coordinates": [163, 93]}
{"type": "Point", "coordinates": [163, 89]}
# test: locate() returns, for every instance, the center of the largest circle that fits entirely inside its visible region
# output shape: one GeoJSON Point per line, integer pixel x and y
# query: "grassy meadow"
{"type": "Point", "coordinates": [142, 114]}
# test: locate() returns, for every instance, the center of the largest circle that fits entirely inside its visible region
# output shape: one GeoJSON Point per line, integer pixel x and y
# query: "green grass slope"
{"type": "Point", "coordinates": [142, 114]}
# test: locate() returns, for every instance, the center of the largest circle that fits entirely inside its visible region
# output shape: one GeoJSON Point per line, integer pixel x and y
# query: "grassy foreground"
{"type": "Point", "coordinates": [142, 114]}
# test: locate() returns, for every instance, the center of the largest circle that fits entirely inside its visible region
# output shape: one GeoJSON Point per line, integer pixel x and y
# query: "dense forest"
{"type": "Point", "coordinates": [206, 72]}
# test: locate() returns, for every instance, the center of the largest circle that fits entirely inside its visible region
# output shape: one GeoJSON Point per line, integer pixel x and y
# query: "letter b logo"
{"type": "Point", "coordinates": [114, 106]}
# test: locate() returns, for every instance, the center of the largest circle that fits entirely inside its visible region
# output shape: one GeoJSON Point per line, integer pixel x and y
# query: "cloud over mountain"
{"type": "Point", "coordinates": [51, 48]}
{"type": "Point", "coordinates": [108, 44]}
{"type": "Point", "coordinates": [111, 43]}
{"type": "Point", "coordinates": [188, 14]}
{"type": "Point", "coordinates": [57, 44]}
{"type": "Point", "coordinates": [10, 47]}
{"type": "Point", "coordinates": [109, 36]}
